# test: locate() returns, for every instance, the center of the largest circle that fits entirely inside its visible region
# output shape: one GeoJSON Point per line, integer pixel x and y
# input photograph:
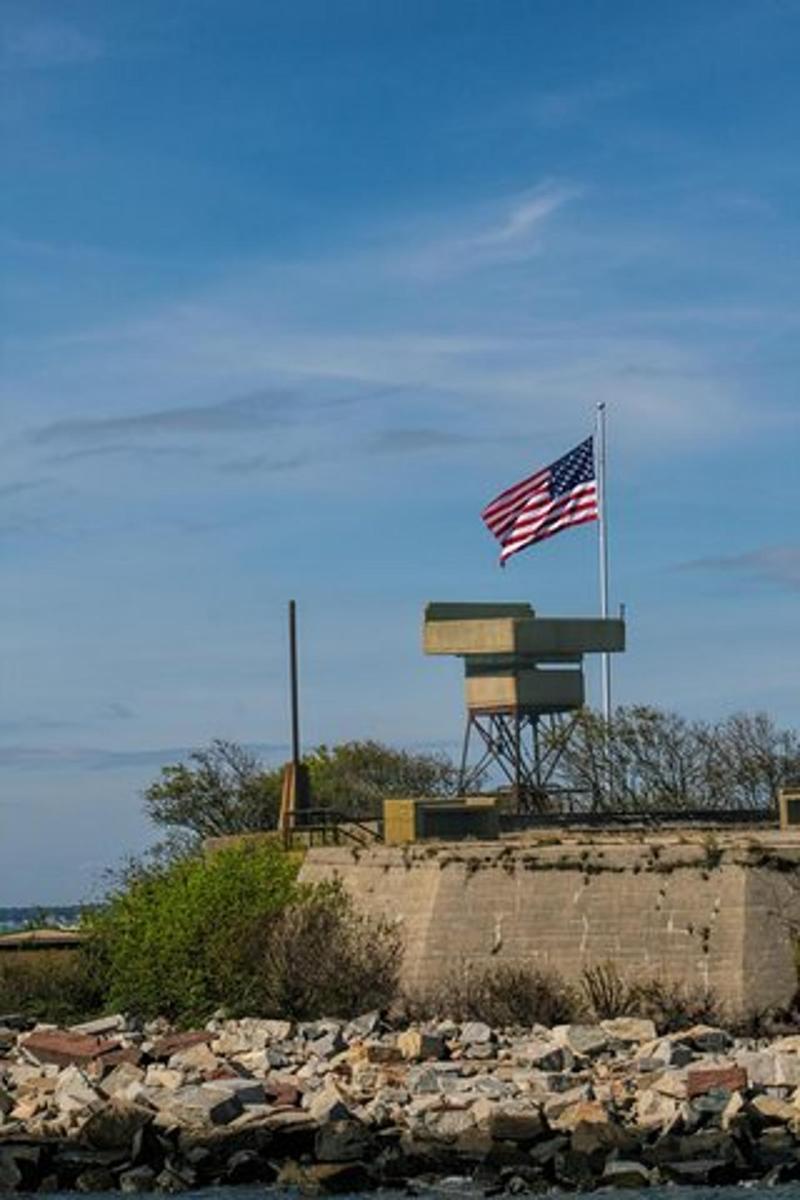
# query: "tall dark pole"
{"type": "Point", "coordinates": [293, 684]}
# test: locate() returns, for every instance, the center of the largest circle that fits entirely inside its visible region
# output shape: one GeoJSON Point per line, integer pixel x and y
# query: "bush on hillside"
{"type": "Point", "coordinates": [501, 995]}
{"type": "Point", "coordinates": [235, 930]}
{"type": "Point", "coordinates": [320, 957]}
{"type": "Point", "coordinates": [46, 985]}
{"type": "Point", "coordinates": [173, 941]}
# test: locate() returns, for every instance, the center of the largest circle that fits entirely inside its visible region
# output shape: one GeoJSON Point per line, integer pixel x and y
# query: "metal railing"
{"type": "Point", "coordinates": [330, 826]}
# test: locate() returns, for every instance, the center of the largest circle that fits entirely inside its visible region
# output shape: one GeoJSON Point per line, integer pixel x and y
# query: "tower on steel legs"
{"type": "Point", "coordinates": [524, 683]}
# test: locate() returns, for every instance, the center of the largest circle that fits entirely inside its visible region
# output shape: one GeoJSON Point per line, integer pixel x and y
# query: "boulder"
{"type": "Point", "coordinates": [114, 1126]}
{"type": "Point", "coordinates": [173, 1043]}
{"type": "Point", "coordinates": [543, 1055]}
{"type": "Point", "coordinates": [728, 1078]}
{"type": "Point", "coordinates": [73, 1091]}
{"type": "Point", "coordinates": [95, 1179]}
{"type": "Point", "coordinates": [517, 1123]}
{"type": "Point", "coordinates": [122, 1076]}
{"type": "Point", "coordinates": [197, 1058]}
{"type": "Point", "coordinates": [771, 1067]}
{"type": "Point", "coordinates": [101, 1026]}
{"type": "Point", "coordinates": [247, 1091]}
{"type": "Point", "coordinates": [200, 1105]}
{"type": "Point", "coordinates": [475, 1033]}
{"type": "Point", "coordinates": [623, 1173]}
{"type": "Point", "coordinates": [328, 1045]}
{"type": "Point", "coordinates": [343, 1141]}
{"type": "Point", "coordinates": [449, 1123]}
{"type": "Point", "coordinates": [137, 1179]}
{"type": "Point", "coordinates": [655, 1111]}
{"type": "Point", "coordinates": [62, 1047]}
{"type": "Point", "coordinates": [629, 1029]}
{"type": "Point", "coordinates": [705, 1038]}
{"type": "Point", "coordinates": [329, 1103]}
{"type": "Point", "coordinates": [164, 1077]}
{"type": "Point", "coordinates": [414, 1045]}
{"type": "Point", "coordinates": [581, 1112]}
{"type": "Point", "coordinates": [773, 1111]}
{"type": "Point", "coordinates": [583, 1040]}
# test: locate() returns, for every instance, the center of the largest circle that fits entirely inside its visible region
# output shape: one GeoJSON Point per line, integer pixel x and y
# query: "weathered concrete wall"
{"type": "Point", "coordinates": [708, 911]}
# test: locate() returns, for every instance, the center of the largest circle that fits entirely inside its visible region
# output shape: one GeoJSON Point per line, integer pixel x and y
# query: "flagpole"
{"type": "Point", "coordinates": [602, 548]}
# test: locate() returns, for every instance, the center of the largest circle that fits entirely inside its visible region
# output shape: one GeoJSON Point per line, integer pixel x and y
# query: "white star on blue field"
{"type": "Point", "coordinates": [291, 290]}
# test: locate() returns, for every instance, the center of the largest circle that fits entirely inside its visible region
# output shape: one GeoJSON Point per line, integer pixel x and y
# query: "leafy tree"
{"type": "Point", "coordinates": [225, 790]}
{"type": "Point", "coordinates": [221, 790]}
{"type": "Point", "coordinates": [355, 777]}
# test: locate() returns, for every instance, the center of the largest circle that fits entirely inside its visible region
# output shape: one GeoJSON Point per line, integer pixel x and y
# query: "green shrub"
{"type": "Point", "coordinates": [49, 985]}
{"type": "Point", "coordinates": [174, 941]}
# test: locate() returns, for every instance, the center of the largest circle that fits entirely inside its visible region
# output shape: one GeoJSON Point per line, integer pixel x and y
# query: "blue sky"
{"type": "Point", "coordinates": [291, 289]}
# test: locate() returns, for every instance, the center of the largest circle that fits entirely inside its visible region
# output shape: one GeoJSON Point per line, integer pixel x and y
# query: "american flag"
{"type": "Point", "coordinates": [563, 494]}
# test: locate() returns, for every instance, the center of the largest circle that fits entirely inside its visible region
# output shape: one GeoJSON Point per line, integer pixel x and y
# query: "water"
{"type": "Point", "coordinates": [14, 919]}
{"type": "Point", "coordinates": [448, 1189]}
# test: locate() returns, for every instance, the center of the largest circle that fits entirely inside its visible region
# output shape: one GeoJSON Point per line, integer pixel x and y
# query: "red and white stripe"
{"type": "Point", "coordinates": [539, 517]}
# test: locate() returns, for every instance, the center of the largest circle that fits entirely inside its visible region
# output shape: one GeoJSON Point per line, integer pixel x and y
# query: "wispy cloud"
{"type": "Point", "coordinates": [20, 488]}
{"type": "Point", "coordinates": [46, 44]}
{"type": "Point", "coordinates": [256, 463]}
{"type": "Point", "coordinates": [554, 109]}
{"type": "Point", "coordinates": [509, 234]}
{"type": "Point", "coordinates": [85, 758]}
{"type": "Point", "coordinates": [257, 411]}
{"type": "Point", "coordinates": [778, 565]}
{"type": "Point", "coordinates": [410, 441]}
{"type": "Point", "coordinates": [123, 450]}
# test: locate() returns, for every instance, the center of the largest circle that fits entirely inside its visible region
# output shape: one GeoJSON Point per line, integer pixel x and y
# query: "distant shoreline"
{"type": "Point", "coordinates": [15, 917]}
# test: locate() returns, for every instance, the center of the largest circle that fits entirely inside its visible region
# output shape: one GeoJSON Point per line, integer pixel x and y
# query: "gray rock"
{"type": "Point", "coordinates": [328, 1045]}
{"type": "Point", "coordinates": [73, 1091]}
{"type": "Point", "coordinates": [343, 1141]}
{"type": "Point", "coordinates": [629, 1029]}
{"type": "Point", "coordinates": [584, 1040]}
{"type": "Point", "coordinates": [480, 1051]}
{"type": "Point", "coordinates": [10, 1174]}
{"type": "Point", "coordinates": [95, 1179]}
{"type": "Point", "coordinates": [137, 1179]}
{"type": "Point", "coordinates": [122, 1076]}
{"type": "Point", "coordinates": [476, 1033]}
{"type": "Point", "coordinates": [201, 1105]}
{"type": "Point", "coordinates": [329, 1104]}
{"type": "Point", "coordinates": [246, 1091]}
{"type": "Point", "coordinates": [423, 1081]}
{"type": "Point", "coordinates": [448, 1124]}
{"type": "Point", "coordinates": [114, 1126]}
{"type": "Point", "coordinates": [101, 1026]}
{"type": "Point", "coordinates": [705, 1038]}
{"type": "Point", "coordinates": [543, 1055]}
{"type": "Point", "coordinates": [769, 1068]}
{"type": "Point", "coordinates": [621, 1173]}
{"type": "Point", "coordinates": [517, 1123]}
{"type": "Point", "coordinates": [363, 1026]}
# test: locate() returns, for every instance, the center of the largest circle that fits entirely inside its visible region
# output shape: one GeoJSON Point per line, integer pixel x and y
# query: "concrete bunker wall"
{"type": "Point", "coordinates": [706, 913]}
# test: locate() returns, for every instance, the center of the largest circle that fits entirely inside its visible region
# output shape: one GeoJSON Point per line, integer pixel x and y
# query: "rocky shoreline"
{"type": "Point", "coordinates": [332, 1106]}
